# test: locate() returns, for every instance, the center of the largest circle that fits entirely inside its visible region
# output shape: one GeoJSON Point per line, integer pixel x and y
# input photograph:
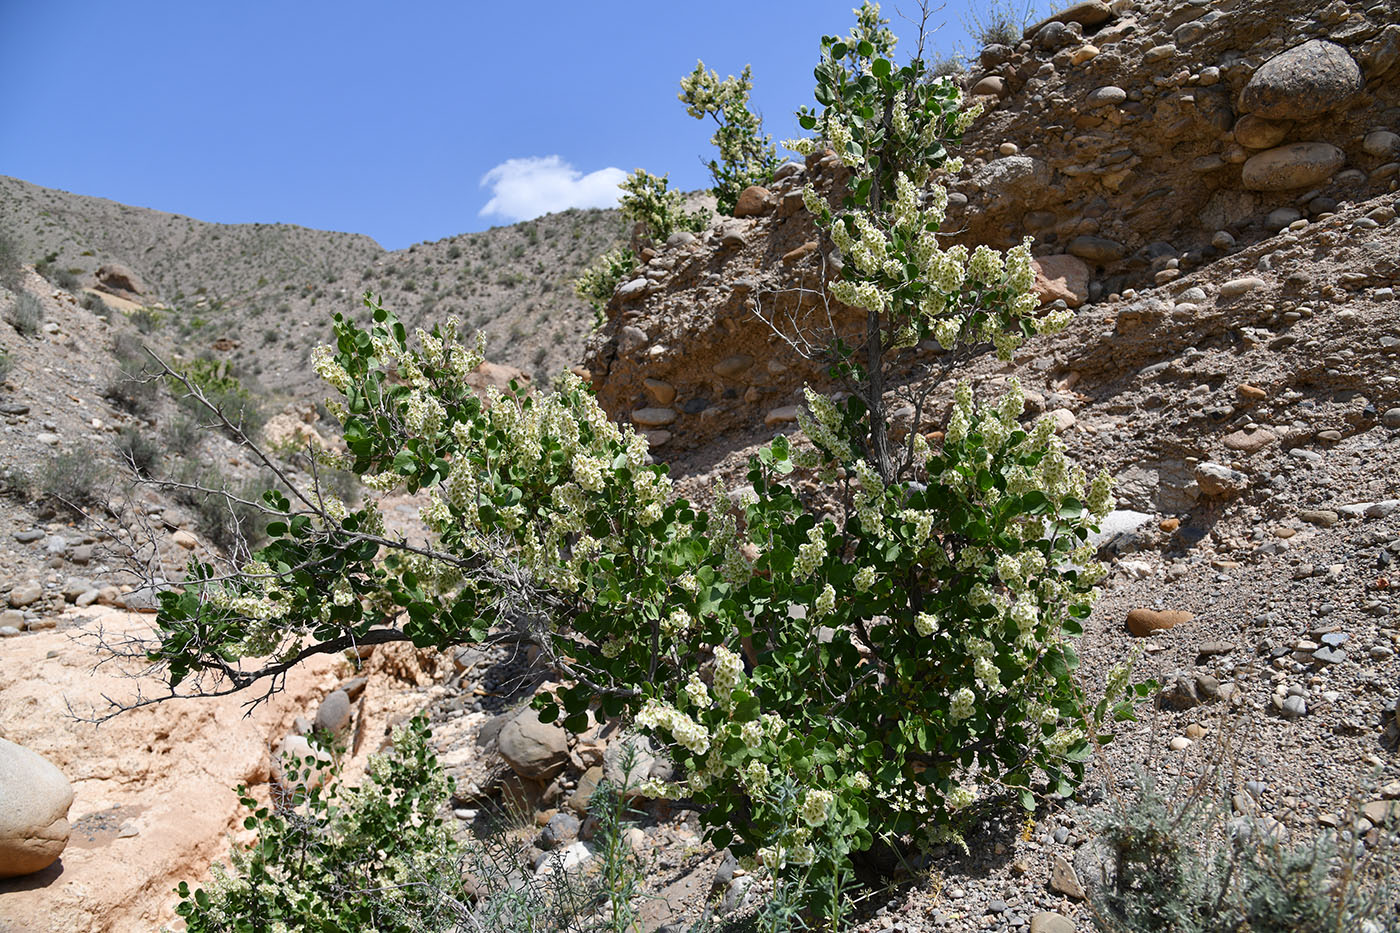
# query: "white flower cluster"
{"type": "Point", "coordinates": [823, 425]}
{"type": "Point", "coordinates": [686, 731]}
{"type": "Point", "coordinates": [324, 364]}
{"type": "Point", "coordinates": [811, 554]}
{"type": "Point", "coordinates": [961, 796]}
{"type": "Point", "coordinates": [963, 703]}
{"type": "Point", "coordinates": [816, 806]}
{"type": "Point", "coordinates": [697, 693]}
{"type": "Point", "coordinates": [729, 672]}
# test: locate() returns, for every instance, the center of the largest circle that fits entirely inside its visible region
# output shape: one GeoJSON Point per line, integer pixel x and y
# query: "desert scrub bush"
{"type": "Point", "coordinates": [600, 279]}
{"type": "Point", "coordinates": [998, 22]}
{"type": "Point", "coordinates": [134, 385]}
{"type": "Point", "coordinates": [7, 365]}
{"type": "Point", "coordinates": [71, 477]}
{"type": "Point", "coordinates": [1177, 860]}
{"type": "Point", "coordinates": [96, 305]}
{"type": "Point", "coordinates": [746, 156]}
{"type": "Point", "coordinates": [11, 270]}
{"type": "Point", "coordinates": [25, 315]}
{"type": "Point", "coordinates": [180, 432]}
{"type": "Point", "coordinates": [146, 320]}
{"type": "Point", "coordinates": [647, 200]}
{"type": "Point", "coordinates": [226, 513]}
{"type": "Point", "coordinates": [215, 382]}
{"type": "Point", "coordinates": [373, 857]}
{"type": "Point", "coordinates": [904, 658]}
{"type": "Point", "coordinates": [138, 450]}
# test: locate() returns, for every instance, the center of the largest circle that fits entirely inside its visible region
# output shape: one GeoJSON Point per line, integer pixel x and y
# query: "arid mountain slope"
{"type": "Point", "coordinates": [264, 293]}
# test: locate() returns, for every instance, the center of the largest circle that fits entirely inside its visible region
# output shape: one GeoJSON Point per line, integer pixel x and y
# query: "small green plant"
{"type": "Point", "coordinates": [26, 314]}
{"type": "Point", "coordinates": [7, 365]}
{"type": "Point", "coordinates": [11, 271]}
{"type": "Point", "coordinates": [598, 282]}
{"type": "Point", "coordinates": [138, 450]}
{"type": "Point", "coordinates": [647, 200]}
{"type": "Point", "coordinates": [374, 857]}
{"type": "Point", "coordinates": [746, 156]}
{"type": "Point", "coordinates": [999, 22]}
{"type": "Point", "coordinates": [216, 381]}
{"type": "Point", "coordinates": [71, 477]}
{"type": "Point", "coordinates": [1177, 861]}
{"type": "Point", "coordinates": [146, 320]}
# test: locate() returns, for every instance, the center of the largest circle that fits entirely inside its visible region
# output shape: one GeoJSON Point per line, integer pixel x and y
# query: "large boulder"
{"type": "Point", "coordinates": [1013, 175]}
{"type": "Point", "coordinates": [1304, 82]}
{"type": "Point", "coordinates": [34, 802]}
{"type": "Point", "coordinates": [533, 749]}
{"type": "Point", "coordinates": [1296, 165]}
{"type": "Point", "coordinates": [119, 280]}
{"type": "Point", "coordinates": [1061, 277]}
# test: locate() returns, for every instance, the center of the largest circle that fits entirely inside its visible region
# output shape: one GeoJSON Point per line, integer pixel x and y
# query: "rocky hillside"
{"type": "Point", "coordinates": [262, 295]}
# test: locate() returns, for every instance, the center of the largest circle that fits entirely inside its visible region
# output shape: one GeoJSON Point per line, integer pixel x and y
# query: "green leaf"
{"type": "Point", "coordinates": [880, 68]}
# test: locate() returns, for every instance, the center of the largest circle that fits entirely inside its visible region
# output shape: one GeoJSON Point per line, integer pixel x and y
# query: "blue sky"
{"type": "Point", "coordinates": [403, 121]}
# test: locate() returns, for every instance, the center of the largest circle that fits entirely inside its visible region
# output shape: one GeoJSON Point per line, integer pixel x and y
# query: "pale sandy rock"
{"type": "Point", "coordinates": [533, 749]}
{"type": "Point", "coordinates": [990, 86]}
{"type": "Point", "coordinates": [783, 414]}
{"type": "Point", "coordinates": [34, 802]}
{"type": "Point", "coordinates": [167, 770]}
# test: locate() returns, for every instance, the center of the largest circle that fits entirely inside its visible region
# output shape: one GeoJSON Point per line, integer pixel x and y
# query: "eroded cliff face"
{"type": "Point", "coordinates": [1138, 143]}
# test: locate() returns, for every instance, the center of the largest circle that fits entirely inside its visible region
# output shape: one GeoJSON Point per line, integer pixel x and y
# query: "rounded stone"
{"type": "Point", "coordinates": [1306, 81]}
{"type": "Point", "coordinates": [753, 201]}
{"type": "Point", "coordinates": [34, 802]}
{"type": "Point", "coordinates": [533, 749]}
{"type": "Point", "coordinates": [732, 366]}
{"type": "Point", "coordinates": [1216, 479]}
{"type": "Point", "coordinates": [653, 417]}
{"type": "Point", "coordinates": [333, 715]}
{"type": "Point", "coordinates": [1144, 622]}
{"type": "Point", "coordinates": [1106, 96]}
{"type": "Point", "coordinates": [1096, 249]}
{"type": "Point", "coordinates": [1296, 165]}
{"type": "Point", "coordinates": [1061, 277]}
{"type": "Point", "coordinates": [1254, 132]}
{"type": "Point", "coordinates": [990, 86]}
{"type": "Point", "coordinates": [295, 753]}
{"type": "Point", "coordinates": [1382, 144]}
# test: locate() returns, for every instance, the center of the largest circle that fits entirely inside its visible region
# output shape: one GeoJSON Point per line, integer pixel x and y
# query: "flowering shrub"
{"type": "Point", "coordinates": [373, 857]}
{"type": "Point", "coordinates": [898, 649]}
{"type": "Point", "coordinates": [647, 200]}
{"type": "Point", "coordinates": [597, 283]}
{"type": "Point", "coordinates": [746, 156]}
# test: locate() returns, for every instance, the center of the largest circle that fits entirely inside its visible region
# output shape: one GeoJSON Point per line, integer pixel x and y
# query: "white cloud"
{"type": "Point", "coordinates": [522, 189]}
